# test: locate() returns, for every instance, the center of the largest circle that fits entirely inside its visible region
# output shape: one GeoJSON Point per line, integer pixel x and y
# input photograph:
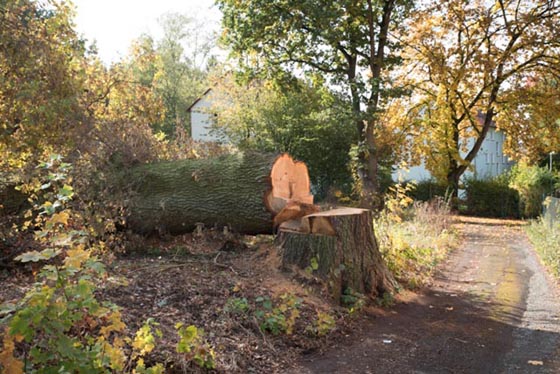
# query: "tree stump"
{"type": "Point", "coordinates": [340, 248]}
{"type": "Point", "coordinates": [244, 192]}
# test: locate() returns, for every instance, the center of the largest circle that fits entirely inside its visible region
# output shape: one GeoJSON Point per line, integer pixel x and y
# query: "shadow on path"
{"type": "Point", "coordinates": [490, 309]}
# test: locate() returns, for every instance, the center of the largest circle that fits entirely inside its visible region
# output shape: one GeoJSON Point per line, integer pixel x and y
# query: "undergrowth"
{"type": "Point", "coordinates": [413, 236]}
{"type": "Point", "coordinates": [545, 237]}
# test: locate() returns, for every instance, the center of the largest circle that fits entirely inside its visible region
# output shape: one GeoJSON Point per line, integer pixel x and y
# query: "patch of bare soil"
{"type": "Point", "coordinates": [192, 280]}
{"type": "Point", "coordinates": [212, 282]}
{"type": "Point", "coordinates": [490, 309]}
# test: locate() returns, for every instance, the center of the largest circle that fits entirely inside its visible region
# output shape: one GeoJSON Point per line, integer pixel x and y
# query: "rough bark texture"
{"type": "Point", "coordinates": [243, 192]}
{"type": "Point", "coordinates": [344, 250]}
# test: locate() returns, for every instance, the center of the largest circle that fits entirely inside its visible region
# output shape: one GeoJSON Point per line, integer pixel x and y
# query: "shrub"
{"type": "Point", "coordinates": [279, 318]}
{"type": "Point", "coordinates": [545, 236]}
{"type": "Point", "coordinates": [61, 325]}
{"type": "Point", "coordinates": [492, 198]}
{"type": "Point", "coordinates": [194, 347]}
{"type": "Point", "coordinates": [532, 183]}
{"type": "Point", "coordinates": [428, 189]}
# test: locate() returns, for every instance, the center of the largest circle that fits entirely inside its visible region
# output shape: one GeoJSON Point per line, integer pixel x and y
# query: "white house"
{"type": "Point", "coordinates": [489, 162]}
{"type": "Point", "coordinates": [202, 119]}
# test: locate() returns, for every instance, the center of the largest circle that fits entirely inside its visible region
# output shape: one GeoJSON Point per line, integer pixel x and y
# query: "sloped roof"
{"type": "Point", "coordinates": [198, 99]}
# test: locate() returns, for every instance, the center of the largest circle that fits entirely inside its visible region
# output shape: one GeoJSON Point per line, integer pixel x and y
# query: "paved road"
{"type": "Point", "coordinates": [490, 309]}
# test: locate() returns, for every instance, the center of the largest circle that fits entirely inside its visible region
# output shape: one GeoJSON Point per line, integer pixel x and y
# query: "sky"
{"type": "Point", "coordinates": [113, 24]}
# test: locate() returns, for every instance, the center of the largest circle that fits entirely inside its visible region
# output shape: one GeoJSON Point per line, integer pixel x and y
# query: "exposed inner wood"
{"type": "Point", "coordinates": [294, 211]}
{"type": "Point", "coordinates": [290, 181]}
{"type": "Point", "coordinates": [291, 218]}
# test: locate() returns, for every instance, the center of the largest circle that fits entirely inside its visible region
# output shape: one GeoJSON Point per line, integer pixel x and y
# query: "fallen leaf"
{"type": "Point", "coordinates": [535, 363]}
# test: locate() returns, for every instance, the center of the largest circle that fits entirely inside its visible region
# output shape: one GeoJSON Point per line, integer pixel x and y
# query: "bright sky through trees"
{"type": "Point", "coordinates": [113, 24]}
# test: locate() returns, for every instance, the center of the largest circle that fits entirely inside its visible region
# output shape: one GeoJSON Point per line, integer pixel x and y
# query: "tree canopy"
{"type": "Point", "coordinates": [347, 42]}
{"type": "Point", "coordinates": [463, 58]}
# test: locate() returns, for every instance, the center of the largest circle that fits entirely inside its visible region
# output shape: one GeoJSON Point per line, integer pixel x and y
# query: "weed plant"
{"type": "Point", "coordinates": [414, 236]}
{"type": "Point", "coordinates": [545, 237]}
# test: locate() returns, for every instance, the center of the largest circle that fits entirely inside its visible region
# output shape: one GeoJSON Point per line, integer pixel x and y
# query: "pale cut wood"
{"type": "Point", "coordinates": [290, 180]}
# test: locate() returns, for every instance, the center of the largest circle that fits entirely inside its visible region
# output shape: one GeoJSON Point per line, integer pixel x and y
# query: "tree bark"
{"type": "Point", "coordinates": [243, 192]}
{"type": "Point", "coordinates": [339, 246]}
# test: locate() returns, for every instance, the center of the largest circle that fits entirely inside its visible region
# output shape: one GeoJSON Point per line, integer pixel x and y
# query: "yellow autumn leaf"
{"type": "Point", "coordinates": [76, 257]}
{"type": "Point", "coordinates": [144, 341]}
{"type": "Point", "coordinates": [115, 354]}
{"type": "Point", "coordinates": [10, 364]}
{"type": "Point", "coordinates": [61, 217]}
{"type": "Point", "coordinates": [115, 323]}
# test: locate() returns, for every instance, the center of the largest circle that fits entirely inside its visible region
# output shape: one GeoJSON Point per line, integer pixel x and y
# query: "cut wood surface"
{"type": "Point", "coordinates": [342, 245]}
{"type": "Point", "coordinates": [243, 192]}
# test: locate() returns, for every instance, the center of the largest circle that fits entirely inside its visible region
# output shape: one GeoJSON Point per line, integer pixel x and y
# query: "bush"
{"type": "Point", "coordinates": [492, 198]}
{"type": "Point", "coordinates": [428, 189]}
{"type": "Point", "coordinates": [532, 183]}
{"type": "Point", "coordinates": [545, 237]}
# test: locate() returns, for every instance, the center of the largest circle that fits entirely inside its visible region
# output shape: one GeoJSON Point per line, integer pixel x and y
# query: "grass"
{"type": "Point", "coordinates": [545, 237]}
{"type": "Point", "coordinates": [415, 239]}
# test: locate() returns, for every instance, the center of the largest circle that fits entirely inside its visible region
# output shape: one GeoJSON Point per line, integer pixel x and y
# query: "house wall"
{"type": "Point", "coordinates": [201, 121]}
{"type": "Point", "coordinates": [488, 163]}
{"type": "Point", "coordinates": [490, 160]}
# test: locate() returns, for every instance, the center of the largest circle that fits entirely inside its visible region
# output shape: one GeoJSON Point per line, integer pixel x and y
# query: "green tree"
{"type": "Point", "coordinates": [182, 54]}
{"type": "Point", "coordinates": [463, 57]}
{"type": "Point", "coordinates": [345, 41]}
{"type": "Point", "coordinates": [304, 119]}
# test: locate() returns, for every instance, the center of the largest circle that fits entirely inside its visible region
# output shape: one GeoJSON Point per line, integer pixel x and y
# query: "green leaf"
{"type": "Point", "coordinates": [314, 263]}
{"type": "Point", "coordinates": [35, 256]}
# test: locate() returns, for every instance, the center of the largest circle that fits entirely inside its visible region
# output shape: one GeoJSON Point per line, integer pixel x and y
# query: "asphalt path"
{"type": "Point", "coordinates": [492, 308]}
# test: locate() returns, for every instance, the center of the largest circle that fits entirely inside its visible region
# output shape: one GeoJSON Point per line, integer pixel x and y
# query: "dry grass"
{"type": "Point", "coordinates": [545, 237]}
{"type": "Point", "coordinates": [413, 243]}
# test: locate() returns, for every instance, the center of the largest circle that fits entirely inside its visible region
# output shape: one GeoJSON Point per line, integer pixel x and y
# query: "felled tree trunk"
{"type": "Point", "coordinates": [339, 247]}
{"type": "Point", "coordinates": [243, 192]}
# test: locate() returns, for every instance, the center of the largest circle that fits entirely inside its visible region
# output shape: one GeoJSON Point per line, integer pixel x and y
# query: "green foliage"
{"type": "Point", "coordinates": [545, 237]}
{"type": "Point", "coordinates": [193, 346]}
{"type": "Point", "coordinates": [300, 119]}
{"type": "Point", "coordinates": [313, 264]}
{"type": "Point", "coordinates": [387, 300]}
{"type": "Point", "coordinates": [280, 317]}
{"type": "Point", "coordinates": [237, 305]}
{"type": "Point", "coordinates": [517, 194]}
{"type": "Point", "coordinates": [532, 183]}
{"type": "Point", "coordinates": [353, 300]}
{"type": "Point", "coordinates": [492, 198]}
{"type": "Point", "coordinates": [60, 325]}
{"type": "Point", "coordinates": [347, 44]}
{"type": "Point", "coordinates": [426, 190]}
{"type": "Point", "coordinates": [174, 68]}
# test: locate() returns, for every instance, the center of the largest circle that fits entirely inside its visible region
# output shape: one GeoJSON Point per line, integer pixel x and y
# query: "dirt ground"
{"type": "Point", "coordinates": [490, 309]}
